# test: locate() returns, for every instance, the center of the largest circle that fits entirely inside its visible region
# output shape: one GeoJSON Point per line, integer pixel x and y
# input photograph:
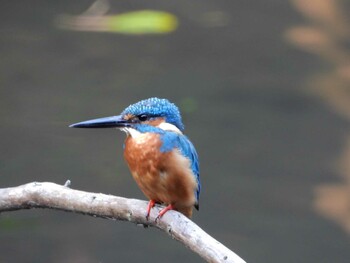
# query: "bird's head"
{"type": "Point", "coordinates": [151, 112]}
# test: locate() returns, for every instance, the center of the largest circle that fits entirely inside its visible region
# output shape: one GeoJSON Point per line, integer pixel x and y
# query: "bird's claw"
{"type": "Point", "coordinates": [157, 218]}
{"type": "Point", "coordinates": [163, 211]}
{"type": "Point", "coordinates": [150, 205]}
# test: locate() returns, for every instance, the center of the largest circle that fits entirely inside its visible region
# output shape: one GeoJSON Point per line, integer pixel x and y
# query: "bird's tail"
{"type": "Point", "coordinates": [187, 211]}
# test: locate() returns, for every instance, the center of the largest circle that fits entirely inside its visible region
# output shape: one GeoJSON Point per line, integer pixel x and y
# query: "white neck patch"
{"type": "Point", "coordinates": [169, 127]}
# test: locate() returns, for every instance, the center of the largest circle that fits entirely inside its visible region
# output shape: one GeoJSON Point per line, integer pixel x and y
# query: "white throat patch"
{"type": "Point", "coordinates": [132, 132]}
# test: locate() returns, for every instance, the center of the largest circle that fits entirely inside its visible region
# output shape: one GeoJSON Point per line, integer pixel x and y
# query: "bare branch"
{"type": "Point", "coordinates": [53, 196]}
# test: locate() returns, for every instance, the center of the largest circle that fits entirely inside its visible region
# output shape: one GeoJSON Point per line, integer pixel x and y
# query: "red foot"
{"type": "Point", "coordinates": [163, 211]}
{"type": "Point", "coordinates": [149, 207]}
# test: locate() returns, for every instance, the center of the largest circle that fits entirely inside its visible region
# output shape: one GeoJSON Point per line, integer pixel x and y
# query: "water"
{"type": "Point", "coordinates": [267, 138]}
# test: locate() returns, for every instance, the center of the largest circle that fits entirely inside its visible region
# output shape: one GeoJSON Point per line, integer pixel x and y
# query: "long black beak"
{"type": "Point", "coordinates": [106, 122]}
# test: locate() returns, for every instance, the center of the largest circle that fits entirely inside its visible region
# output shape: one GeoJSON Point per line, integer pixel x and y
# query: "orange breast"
{"type": "Point", "coordinates": [163, 177]}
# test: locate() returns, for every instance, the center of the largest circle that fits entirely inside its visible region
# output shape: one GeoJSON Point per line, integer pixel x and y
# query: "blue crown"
{"type": "Point", "coordinates": [155, 107]}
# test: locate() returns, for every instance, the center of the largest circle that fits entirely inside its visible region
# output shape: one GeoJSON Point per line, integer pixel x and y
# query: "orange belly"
{"type": "Point", "coordinates": [164, 177]}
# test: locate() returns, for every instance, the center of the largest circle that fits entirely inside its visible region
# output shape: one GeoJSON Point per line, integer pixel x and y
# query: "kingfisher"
{"type": "Point", "coordinates": [161, 159]}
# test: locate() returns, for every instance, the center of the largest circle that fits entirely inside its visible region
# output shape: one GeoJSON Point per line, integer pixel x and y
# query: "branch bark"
{"type": "Point", "coordinates": [54, 196]}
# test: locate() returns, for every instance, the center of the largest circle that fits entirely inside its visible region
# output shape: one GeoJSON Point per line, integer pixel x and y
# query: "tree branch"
{"type": "Point", "coordinates": [53, 196]}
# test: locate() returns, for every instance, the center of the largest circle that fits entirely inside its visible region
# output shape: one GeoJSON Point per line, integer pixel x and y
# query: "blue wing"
{"type": "Point", "coordinates": [188, 150]}
{"type": "Point", "coordinates": [171, 140]}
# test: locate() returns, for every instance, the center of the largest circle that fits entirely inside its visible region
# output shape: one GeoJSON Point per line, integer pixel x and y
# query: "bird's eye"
{"type": "Point", "coordinates": [143, 117]}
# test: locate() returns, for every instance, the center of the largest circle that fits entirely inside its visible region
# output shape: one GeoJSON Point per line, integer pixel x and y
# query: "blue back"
{"type": "Point", "coordinates": [188, 150]}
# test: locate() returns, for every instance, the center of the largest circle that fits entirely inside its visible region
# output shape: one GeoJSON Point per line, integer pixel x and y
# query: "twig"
{"type": "Point", "coordinates": [53, 196]}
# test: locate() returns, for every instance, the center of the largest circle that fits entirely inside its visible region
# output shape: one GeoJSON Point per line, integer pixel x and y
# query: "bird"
{"type": "Point", "coordinates": [162, 160]}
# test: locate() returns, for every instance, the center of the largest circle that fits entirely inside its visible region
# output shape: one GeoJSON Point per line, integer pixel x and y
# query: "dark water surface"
{"type": "Point", "coordinates": [264, 141]}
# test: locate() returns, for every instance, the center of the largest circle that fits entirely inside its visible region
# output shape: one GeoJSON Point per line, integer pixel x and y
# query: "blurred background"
{"type": "Point", "coordinates": [264, 89]}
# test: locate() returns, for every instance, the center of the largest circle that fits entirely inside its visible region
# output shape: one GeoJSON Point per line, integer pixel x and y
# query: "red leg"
{"type": "Point", "coordinates": [164, 210]}
{"type": "Point", "coordinates": [149, 207]}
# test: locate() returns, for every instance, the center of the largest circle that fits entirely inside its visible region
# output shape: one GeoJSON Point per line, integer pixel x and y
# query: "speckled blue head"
{"type": "Point", "coordinates": [155, 108]}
